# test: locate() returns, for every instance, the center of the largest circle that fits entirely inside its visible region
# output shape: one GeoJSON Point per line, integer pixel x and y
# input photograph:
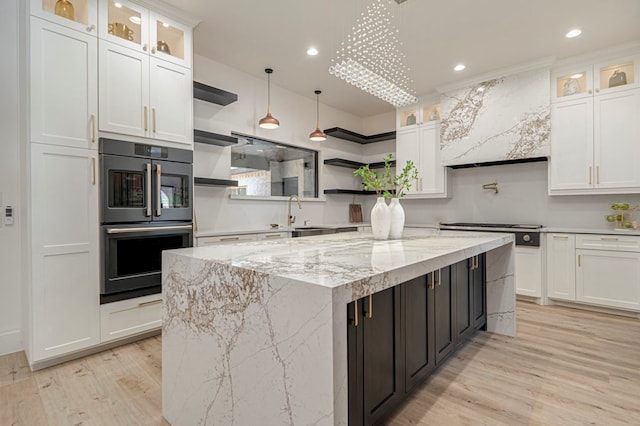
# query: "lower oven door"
{"type": "Point", "coordinates": [132, 257]}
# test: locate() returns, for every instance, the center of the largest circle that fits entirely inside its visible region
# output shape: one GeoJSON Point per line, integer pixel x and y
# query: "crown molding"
{"type": "Point", "coordinates": [169, 11]}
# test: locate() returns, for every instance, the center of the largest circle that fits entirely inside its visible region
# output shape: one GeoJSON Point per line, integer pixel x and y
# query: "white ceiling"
{"type": "Point", "coordinates": [486, 35]}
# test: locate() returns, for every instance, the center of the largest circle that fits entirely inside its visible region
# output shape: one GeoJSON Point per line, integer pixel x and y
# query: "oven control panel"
{"type": "Point", "coordinates": [531, 239]}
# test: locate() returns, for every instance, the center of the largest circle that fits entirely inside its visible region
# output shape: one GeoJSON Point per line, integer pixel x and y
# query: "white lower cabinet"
{"type": "Point", "coordinates": [238, 238]}
{"type": "Point", "coordinates": [64, 295]}
{"type": "Point", "coordinates": [602, 270]}
{"type": "Point", "coordinates": [129, 317]}
{"type": "Point", "coordinates": [529, 271]}
{"type": "Point", "coordinates": [561, 270]}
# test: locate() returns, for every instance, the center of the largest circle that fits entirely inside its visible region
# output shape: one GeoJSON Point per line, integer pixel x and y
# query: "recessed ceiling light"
{"type": "Point", "coordinates": [312, 51]}
{"type": "Point", "coordinates": [135, 19]}
{"type": "Point", "coordinates": [118, 5]}
{"type": "Point", "coordinates": [576, 76]}
{"type": "Point", "coordinates": [573, 33]}
{"type": "Point", "coordinates": [459, 67]}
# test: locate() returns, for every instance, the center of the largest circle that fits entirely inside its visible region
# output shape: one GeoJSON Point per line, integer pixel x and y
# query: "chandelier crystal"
{"type": "Point", "coordinates": [370, 57]}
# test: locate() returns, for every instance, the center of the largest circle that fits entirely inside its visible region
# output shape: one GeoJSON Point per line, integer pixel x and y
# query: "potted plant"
{"type": "Point", "coordinates": [388, 185]}
{"type": "Point", "coordinates": [380, 214]}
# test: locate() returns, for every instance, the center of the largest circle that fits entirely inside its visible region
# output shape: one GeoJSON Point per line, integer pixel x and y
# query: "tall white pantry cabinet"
{"type": "Point", "coordinates": [61, 163]}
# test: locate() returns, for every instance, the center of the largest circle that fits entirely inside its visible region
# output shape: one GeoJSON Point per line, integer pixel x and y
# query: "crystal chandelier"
{"type": "Point", "coordinates": [370, 57]}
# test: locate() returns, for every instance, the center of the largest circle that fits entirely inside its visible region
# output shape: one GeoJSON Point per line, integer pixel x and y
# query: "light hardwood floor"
{"type": "Point", "coordinates": [566, 367]}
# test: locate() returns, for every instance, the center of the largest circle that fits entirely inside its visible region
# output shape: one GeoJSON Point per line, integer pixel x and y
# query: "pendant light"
{"type": "Point", "coordinates": [318, 135]}
{"type": "Point", "coordinates": [269, 121]}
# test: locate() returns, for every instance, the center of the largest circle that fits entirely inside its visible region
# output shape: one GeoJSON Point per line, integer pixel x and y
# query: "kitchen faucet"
{"type": "Point", "coordinates": [292, 219]}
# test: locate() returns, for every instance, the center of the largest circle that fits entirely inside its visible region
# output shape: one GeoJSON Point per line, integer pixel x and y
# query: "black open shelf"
{"type": "Point", "coordinates": [199, 181]}
{"type": "Point", "coordinates": [341, 162]}
{"type": "Point", "coordinates": [213, 94]}
{"type": "Point", "coordinates": [210, 138]}
{"type": "Point", "coordinates": [348, 191]}
{"type": "Point", "coordinates": [350, 136]}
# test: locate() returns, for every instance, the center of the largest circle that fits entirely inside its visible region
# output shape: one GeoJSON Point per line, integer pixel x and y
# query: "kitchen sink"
{"type": "Point", "coordinates": [307, 231]}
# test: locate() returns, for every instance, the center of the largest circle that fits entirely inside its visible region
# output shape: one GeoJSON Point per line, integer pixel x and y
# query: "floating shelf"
{"type": "Point", "coordinates": [210, 138]}
{"type": "Point", "coordinates": [350, 136]}
{"type": "Point", "coordinates": [213, 94]}
{"type": "Point", "coordinates": [348, 191]}
{"type": "Point", "coordinates": [341, 162]}
{"type": "Point", "coordinates": [214, 182]}
{"type": "Point", "coordinates": [499, 163]}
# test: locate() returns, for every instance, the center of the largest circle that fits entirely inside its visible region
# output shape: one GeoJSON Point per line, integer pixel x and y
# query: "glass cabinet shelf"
{"type": "Point", "coordinates": [572, 84]}
{"type": "Point", "coordinates": [616, 75]}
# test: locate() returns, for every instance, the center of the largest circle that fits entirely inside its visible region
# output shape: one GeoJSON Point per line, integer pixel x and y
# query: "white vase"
{"type": "Point", "coordinates": [380, 220]}
{"type": "Point", "coordinates": [397, 219]}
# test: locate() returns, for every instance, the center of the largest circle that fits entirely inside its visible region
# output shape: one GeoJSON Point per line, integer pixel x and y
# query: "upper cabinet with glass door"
{"type": "Point", "coordinates": [588, 80]}
{"type": "Point", "coordinates": [415, 115]}
{"type": "Point", "coordinates": [80, 15]}
{"type": "Point", "coordinates": [133, 26]}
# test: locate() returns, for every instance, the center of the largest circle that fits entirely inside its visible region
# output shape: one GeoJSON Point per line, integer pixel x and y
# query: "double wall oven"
{"type": "Point", "coordinates": [146, 207]}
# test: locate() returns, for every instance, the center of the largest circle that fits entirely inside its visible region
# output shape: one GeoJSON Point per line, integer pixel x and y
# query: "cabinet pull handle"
{"type": "Point", "coordinates": [598, 175]}
{"type": "Point", "coordinates": [370, 313]}
{"type": "Point", "coordinates": [597, 90]}
{"type": "Point", "coordinates": [590, 91]}
{"type": "Point", "coordinates": [355, 313]}
{"type": "Point", "coordinates": [230, 239]}
{"type": "Point", "coordinates": [477, 262]}
{"type": "Point", "coordinates": [589, 175]}
{"type": "Point", "coordinates": [439, 280]}
{"type": "Point", "coordinates": [93, 170]}
{"type": "Point", "coordinates": [432, 285]}
{"type": "Point", "coordinates": [560, 237]}
{"type": "Point", "coordinates": [579, 264]}
{"type": "Point", "coordinates": [148, 189]}
{"type": "Point", "coordinates": [153, 119]}
{"type": "Point", "coordinates": [91, 27]}
{"type": "Point", "coordinates": [93, 128]}
{"type": "Point", "coordinates": [150, 302]}
{"type": "Point", "coordinates": [153, 50]}
{"type": "Point", "coordinates": [146, 119]}
{"type": "Point", "coordinates": [609, 238]}
{"type": "Point", "coordinates": [144, 47]}
{"type": "Point", "coordinates": [273, 236]}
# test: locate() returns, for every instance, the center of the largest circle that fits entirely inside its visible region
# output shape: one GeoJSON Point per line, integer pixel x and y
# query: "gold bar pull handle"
{"type": "Point", "coordinates": [153, 119]}
{"type": "Point", "coordinates": [476, 262]}
{"type": "Point", "coordinates": [589, 175]}
{"type": "Point", "coordinates": [150, 302]}
{"type": "Point", "coordinates": [370, 313]}
{"type": "Point", "coordinates": [579, 264]}
{"type": "Point", "coordinates": [93, 128]}
{"type": "Point", "coordinates": [597, 175]}
{"type": "Point", "coordinates": [432, 283]}
{"type": "Point", "coordinates": [93, 170]}
{"type": "Point", "coordinates": [355, 313]}
{"type": "Point", "coordinates": [146, 119]}
{"type": "Point", "coordinates": [439, 280]}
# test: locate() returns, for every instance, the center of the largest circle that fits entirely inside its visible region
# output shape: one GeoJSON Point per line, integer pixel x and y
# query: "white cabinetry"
{"type": "Point", "coordinates": [421, 144]}
{"type": "Point", "coordinates": [595, 127]}
{"type": "Point", "coordinates": [601, 270]}
{"type": "Point", "coordinates": [129, 317]}
{"type": "Point", "coordinates": [145, 90]}
{"type": "Point", "coordinates": [65, 291]}
{"type": "Point", "coordinates": [561, 271]}
{"type": "Point", "coordinates": [608, 270]}
{"type": "Point", "coordinates": [529, 271]}
{"type": "Point", "coordinates": [64, 85]}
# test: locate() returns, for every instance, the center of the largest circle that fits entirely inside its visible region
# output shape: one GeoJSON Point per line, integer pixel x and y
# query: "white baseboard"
{"type": "Point", "coordinates": [10, 341]}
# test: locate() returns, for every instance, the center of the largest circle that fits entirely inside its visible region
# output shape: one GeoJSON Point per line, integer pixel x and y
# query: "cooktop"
{"type": "Point", "coordinates": [491, 225]}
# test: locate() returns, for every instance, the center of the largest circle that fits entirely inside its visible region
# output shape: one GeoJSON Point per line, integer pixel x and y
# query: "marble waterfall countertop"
{"type": "Point", "coordinates": [255, 332]}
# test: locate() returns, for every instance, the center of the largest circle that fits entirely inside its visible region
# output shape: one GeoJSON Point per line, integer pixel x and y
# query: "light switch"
{"type": "Point", "coordinates": [8, 215]}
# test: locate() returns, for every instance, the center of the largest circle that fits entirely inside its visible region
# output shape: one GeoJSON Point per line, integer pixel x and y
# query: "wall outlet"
{"type": "Point", "coordinates": [8, 216]}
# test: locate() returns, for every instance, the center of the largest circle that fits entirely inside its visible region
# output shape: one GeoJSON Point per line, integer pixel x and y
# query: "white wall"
{"type": "Point", "coordinates": [10, 281]}
{"type": "Point", "coordinates": [297, 115]}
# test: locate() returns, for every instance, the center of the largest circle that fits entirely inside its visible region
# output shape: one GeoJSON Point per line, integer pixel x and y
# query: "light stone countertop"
{"type": "Point", "coordinates": [603, 231]}
{"type": "Point", "coordinates": [256, 332]}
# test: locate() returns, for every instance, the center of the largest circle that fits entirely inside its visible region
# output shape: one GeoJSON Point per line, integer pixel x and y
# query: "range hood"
{"type": "Point", "coordinates": [498, 163]}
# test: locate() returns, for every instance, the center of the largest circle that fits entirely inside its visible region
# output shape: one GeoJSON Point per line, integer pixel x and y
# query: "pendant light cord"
{"type": "Point", "coordinates": [317, 110]}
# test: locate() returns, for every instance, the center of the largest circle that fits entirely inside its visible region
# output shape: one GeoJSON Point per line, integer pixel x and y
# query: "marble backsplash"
{"type": "Point", "coordinates": [505, 118]}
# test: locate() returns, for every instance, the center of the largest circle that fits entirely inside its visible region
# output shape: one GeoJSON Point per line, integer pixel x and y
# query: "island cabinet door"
{"type": "Point", "coordinates": [463, 287]}
{"type": "Point", "coordinates": [417, 328]}
{"type": "Point", "coordinates": [444, 307]}
{"type": "Point", "coordinates": [375, 353]}
{"type": "Point", "coordinates": [477, 276]}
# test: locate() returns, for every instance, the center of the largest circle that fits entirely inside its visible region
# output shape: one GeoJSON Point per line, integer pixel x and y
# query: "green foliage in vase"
{"type": "Point", "coordinates": [385, 183]}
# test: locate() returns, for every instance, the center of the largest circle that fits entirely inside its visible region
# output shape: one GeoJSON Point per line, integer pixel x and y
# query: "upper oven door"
{"type": "Point", "coordinates": [127, 187]}
{"type": "Point", "coordinates": [173, 191]}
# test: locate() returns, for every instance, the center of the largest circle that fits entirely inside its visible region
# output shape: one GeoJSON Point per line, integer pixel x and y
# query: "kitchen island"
{"type": "Point", "coordinates": [256, 333]}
